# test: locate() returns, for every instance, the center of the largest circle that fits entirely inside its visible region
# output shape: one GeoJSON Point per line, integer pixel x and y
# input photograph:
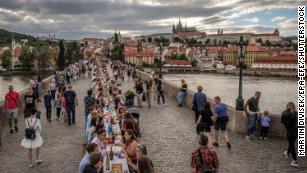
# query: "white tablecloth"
{"type": "Point", "coordinates": [115, 160]}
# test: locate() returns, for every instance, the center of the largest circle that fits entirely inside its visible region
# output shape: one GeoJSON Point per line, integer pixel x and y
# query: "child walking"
{"type": "Point", "coordinates": [58, 106]}
{"type": "Point", "coordinates": [265, 124]}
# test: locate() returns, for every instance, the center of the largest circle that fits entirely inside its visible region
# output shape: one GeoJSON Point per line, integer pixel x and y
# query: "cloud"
{"type": "Point", "coordinates": [79, 18]}
{"type": "Point", "coordinates": [278, 18]}
{"type": "Point", "coordinates": [253, 20]}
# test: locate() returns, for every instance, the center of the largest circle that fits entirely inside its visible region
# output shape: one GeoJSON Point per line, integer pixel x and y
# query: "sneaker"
{"type": "Point", "coordinates": [215, 144]}
{"type": "Point", "coordinates": [228, 145]}
{"type": "Point", "coordinates": [30, 166]}
{"type": "Point", "coordinates": [38, 161]}
{"type": "Point", "coordinates": [165, 104]}
{"type": "Point", "coordinates": [261, 138]}
{"type": "Point", "coordinates": [265, 138]}
{"type": "Point", "coordinates": [286, 154]}
{"type": "Point", "coordinates": [16, 128]}
{"type": "Point", "coordinates": [294, 163]}
{"type": "Point", "coordinates": [247, 137]}
{"type": "Point", "coordinates": [11, 131]}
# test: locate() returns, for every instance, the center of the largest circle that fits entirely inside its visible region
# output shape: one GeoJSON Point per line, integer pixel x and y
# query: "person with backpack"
{"type": "Point", "coordinates": [11, 106]}
{"type": "Point", "coordinates": [139, 90]}
{"type": "Point", "coordinates": [289, 119]}
{"type": "Point", "coordinates": [204, 160]}
{"type": "Point", "coordinates": [32, 139]}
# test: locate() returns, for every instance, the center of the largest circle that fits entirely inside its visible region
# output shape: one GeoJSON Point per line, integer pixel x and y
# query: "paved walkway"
{"type": "Point", "coordinates": [62, 148]}
{"type": "Point", "coordinates": [169, 133]}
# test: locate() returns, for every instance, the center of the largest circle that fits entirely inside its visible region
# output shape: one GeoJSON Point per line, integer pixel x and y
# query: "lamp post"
{"type": "Point", "coordinates": [160, 62]}
{"type": "Point", "coordinates": [241, 57]}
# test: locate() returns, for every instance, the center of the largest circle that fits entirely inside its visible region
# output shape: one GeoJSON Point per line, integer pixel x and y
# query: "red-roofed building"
{"type": "Point", "coordinates": [281, 61]}
{"type": "Point", "coordinates": [148, 55]}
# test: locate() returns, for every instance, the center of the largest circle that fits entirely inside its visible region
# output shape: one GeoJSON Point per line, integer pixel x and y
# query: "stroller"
{"type": "Point", "coordinates": [136, 116]}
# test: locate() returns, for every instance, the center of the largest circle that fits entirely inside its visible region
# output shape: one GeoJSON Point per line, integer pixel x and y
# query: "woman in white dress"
{"type": "Point", "coordinates": [35, 143]}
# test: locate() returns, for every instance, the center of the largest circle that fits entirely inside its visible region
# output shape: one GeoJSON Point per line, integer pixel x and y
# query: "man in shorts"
{"type": "Point", "coordinates": [12, 103]}
{"type": "Point", "coordinates": [221, 119]}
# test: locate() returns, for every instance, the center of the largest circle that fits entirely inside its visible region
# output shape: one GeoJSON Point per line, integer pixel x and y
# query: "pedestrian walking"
{"type": "Point", "coordinates": [71, 103]}
{"type": "Point", "coordinates": [221, 119]}
{"type": "Point", "coordinates": [199, 101]}
{"type": "Point", "coordinates": [204, 159]}
{"type": "Point", "coordinates": [182, 93]}
{"type": "Point", "coordinates": [148, 84]}
{"type": "Point", "coordinates": [48, 105]}
{"type": "Point", "coordinates": [52, 88]}
{"type": "Point", "coordinates": [252, 111]}
{"type": "Point", "coordinates": [29, 102]}
{"type": "Point", "coordinates": [139, 91]}
{"type": "Point", "coordinates": [289, 119]}
{"type": "Point", "coordinates": [33, 139]}
{"type": "Point", "coordinates": [160, 92]}
{"type": "Point", "coordinates": [58, 106]}
{"type": "Point", "coordinates": [205, 121]}
{"type": "Point", "coordinates": [265, 125]}
{"type": "Point", "coordinates": [11, 105]}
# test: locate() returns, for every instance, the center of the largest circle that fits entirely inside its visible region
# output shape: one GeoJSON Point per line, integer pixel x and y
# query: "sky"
{"type": "Point", "coordinates": [76, 19]}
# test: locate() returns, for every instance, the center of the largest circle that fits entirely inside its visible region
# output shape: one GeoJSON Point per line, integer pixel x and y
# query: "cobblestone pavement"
{"type": "Point", "coordinates": [62, 148]}
{"type": "Point", "coordinates": [169, 133]}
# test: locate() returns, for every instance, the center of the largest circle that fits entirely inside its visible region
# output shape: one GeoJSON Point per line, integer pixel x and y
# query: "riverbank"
{"type": "Point", "coordinates": [12, 73]}
{"type": "Point", "coordinates": [246, 72]}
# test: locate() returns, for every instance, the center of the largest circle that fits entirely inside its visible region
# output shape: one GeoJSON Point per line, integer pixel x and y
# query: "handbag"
{"type": "Point", "coordinates": [30, 131]}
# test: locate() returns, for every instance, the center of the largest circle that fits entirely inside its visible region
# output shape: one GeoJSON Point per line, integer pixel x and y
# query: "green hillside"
{"type": "Point", "coordinates": [6, 38]}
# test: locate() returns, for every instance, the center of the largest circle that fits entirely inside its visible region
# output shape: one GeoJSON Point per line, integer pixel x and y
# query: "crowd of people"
{"type": "Point", "coordinates": [108, 122]}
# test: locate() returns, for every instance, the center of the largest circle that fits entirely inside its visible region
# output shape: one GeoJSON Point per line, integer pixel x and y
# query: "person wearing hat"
{"type": "Point", "coordinates": [144, 163]}
{"type": "Point", "coordinates": [37, 141]}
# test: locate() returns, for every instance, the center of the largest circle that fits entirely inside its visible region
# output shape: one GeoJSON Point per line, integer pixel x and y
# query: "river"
{"type": "Point", "coordinates": [276, 92]}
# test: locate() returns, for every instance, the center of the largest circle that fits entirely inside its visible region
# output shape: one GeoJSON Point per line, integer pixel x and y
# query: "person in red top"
{"type": "Point", "coordinates": [12, 103]}
{"type": "Point", "coordinates": [204, 159]}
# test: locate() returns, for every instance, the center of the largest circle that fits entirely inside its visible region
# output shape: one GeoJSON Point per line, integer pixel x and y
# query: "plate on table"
{"type": "Point", "coordinates": [117, 168]}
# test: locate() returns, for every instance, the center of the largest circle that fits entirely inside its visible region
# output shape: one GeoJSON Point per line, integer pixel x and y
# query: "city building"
{"type": "Point", "coordinates": [222, 38]}
{"type": "Point", "coordinates": [185, 32]}
{"type": "Point", "coordinates": [276, 62]}
{"type": "Point", "coordinates": [148, 55]}
{"type": "Point", "coordinates": [230, 55]}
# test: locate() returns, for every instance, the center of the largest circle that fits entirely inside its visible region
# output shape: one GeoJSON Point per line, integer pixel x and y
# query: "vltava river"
{"type": "Point", "coordinates": [19, 82]}
{"type": "Point", "coordinates": [276, 92]}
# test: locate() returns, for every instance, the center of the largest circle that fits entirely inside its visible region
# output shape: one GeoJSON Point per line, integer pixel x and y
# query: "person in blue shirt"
{"type": "Point", "coordinates": [265, 124]}
{"type": "Point", "coordinates": [221, 119]}
{"type": "Point", "coordinates": [91, 148]}
{"type": "Point", "coordinates": [48, 105]}
{"type": "Point", "coordinates": [199, 101]}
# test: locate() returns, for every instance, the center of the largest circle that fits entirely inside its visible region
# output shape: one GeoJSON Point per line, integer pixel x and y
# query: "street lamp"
{"type": "Point", "coordinates": [241, 57]}
{"type": "Point", "coordinates": [160, 62]}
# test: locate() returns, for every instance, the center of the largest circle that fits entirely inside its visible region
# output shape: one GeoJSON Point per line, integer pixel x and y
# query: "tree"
{"type": "Point", "coordinates": [61, 60]}
{"type": "Point", "coordinates": [174, 56]}
{"type": "Point", "coordinates": [194, 63]}
{"type": "Point", "coordinates": [149, 39]}
{"type": "Point", "coordinates": [183, 57]}
{"type": "Point", "coordinates": [208, 41]}
{"type": "Point", "coordinates": [26, 58]}
{"type": "Point", "coordinates": [267, 43]}
{"type": "Point", "coordinates": [6, 60]}
{"type": "Point", "coordinates": [225, 43]}
{"type": "Point", "coordinates": [214, 42]}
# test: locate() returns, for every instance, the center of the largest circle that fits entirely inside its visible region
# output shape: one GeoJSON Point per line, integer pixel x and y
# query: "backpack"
{"type": "Point", "coordinates": [30, 131]}
{"type": "Point", "coordinates": [204, 168]}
